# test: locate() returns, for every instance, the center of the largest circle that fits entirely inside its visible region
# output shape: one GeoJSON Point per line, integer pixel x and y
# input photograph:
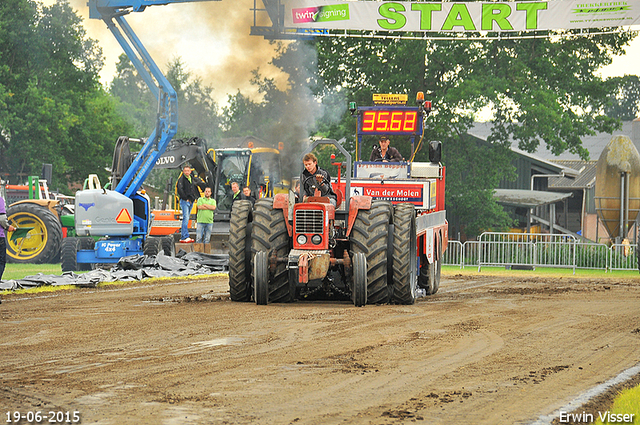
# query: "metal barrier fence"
{"type": "Point", "coordinates": [622, 257]}
{"type": "Point", "coordinates": [592, 256]}
{"type": "Point", "coordinates": [539, 250]}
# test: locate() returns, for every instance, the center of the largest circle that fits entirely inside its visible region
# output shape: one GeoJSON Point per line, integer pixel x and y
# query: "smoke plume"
{"type": "Point", "coordinates": [211, 37]}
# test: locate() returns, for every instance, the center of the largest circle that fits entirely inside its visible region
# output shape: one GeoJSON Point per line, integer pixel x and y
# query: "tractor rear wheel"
{"type": "Point", "coordinates": [261, 278]}
{"type": "Point", "coordinates": [240, 252]}
{"type": "Point", "coordinates": [430, 274]}
{"type": "Point", "coordinates": [405, 258]}
{"type": "Point", "coordinates": [42, 243]}
{"type": "Point", "coordinates": [359, 290]}
{"type": "Point", "coordinates": [369, 236]}
{"type": "Point", "coordinates": [269, 234]}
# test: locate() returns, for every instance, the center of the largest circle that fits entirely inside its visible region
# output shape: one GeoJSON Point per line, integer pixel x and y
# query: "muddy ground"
{"type": "Point", "coordinates": [483, 350]}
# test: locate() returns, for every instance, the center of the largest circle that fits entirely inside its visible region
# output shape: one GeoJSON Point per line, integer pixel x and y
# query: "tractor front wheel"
{"type": "Point", "coordinates": [261, 278]}
{"type": "Point", "coordinates": [359, 290]}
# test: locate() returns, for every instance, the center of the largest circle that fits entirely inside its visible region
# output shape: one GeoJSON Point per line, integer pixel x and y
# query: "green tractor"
{"type": "Point", "coordinates": [47, 216]}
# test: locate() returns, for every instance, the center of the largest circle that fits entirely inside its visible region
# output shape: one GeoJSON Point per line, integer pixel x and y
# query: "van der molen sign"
{"type": "Point", "coordinates": [460, 16]}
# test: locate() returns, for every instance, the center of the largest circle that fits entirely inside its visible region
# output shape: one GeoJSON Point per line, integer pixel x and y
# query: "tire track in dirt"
{"type": "Point", "coordinates": [486, 350]}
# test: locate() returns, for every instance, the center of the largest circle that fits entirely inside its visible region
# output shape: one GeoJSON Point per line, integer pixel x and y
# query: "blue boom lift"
{"type": "Point", "coordinates": [121, 218]}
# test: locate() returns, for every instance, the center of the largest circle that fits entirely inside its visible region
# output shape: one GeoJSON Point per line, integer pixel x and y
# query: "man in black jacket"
{"type": "Point", "coordinates": [384, 152]}
{"type": "Point", "coordinates": [314, 177]}
{"type": "Point", "coordinates": [187, 187]}
{"type": "Point", "coordinates": [246, 191]}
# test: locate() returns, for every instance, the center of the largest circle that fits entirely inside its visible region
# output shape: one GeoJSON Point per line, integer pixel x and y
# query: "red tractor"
{"type": "Point", "coordinates": [370, 249]}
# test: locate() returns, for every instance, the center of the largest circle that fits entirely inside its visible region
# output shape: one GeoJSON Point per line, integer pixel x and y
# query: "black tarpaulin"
{"type": "Point", "coordinates": [132, 268]}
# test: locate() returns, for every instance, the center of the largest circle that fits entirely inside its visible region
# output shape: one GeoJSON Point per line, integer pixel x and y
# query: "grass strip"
{"type": "Point", "coordinates": [626, 403]}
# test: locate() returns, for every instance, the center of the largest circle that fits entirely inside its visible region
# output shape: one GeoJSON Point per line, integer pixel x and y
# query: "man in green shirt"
{"type": "Point", "coordinates": [206, 205]}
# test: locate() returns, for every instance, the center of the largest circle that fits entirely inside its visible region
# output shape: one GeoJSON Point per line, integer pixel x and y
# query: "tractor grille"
{"type": "Point", "coordinates": [309, 221]}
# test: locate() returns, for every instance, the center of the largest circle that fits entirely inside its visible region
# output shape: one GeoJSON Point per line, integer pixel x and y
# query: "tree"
{"type": "Point", "coordinates": [540, 90]}
{"type": "Point", "coordinates": [134, 99]}
{"type": "Point", "coordinates": [52, 107]}
{"type": "Point", "coordinates": [625, 98]}
{"type": "Point", "coordinates": [197, 110]}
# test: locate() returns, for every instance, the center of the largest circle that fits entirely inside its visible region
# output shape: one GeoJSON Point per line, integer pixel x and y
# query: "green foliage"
{"type": "Point", "coordinates": [625, 98]}
{"type": "Point", "coordinates": [51, 104]}
{"type": "Point", "coordinates": [540, 91]}
{"type": "Point", "coordinates": [197, 110]}
{"type": "Point", "coordinates": [135, 101]}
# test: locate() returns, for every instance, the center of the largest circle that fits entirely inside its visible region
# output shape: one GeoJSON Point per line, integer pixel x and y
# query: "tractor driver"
{"type": "Point", "coordinates": [384, 152]}
{"type": "Point", "coordinates": [314, 177]}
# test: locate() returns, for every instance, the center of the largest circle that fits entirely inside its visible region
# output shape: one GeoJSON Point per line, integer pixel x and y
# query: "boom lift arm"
{"type": "Point", "coordinates": [112, 13]}
{"type": "Point", "coordinates": [121, 218]}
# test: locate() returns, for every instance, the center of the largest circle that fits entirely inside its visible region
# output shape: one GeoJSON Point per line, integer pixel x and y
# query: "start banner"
{"type": "Point", "coordinates": [460, 16]}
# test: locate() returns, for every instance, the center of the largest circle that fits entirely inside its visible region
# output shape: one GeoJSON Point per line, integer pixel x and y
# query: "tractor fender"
{"type": "Point", "coordinates": [357, 203]}
{"type": "Point", "coordinates": [47, 203]}
{"type": "Point", "coordinates": [281, 202]}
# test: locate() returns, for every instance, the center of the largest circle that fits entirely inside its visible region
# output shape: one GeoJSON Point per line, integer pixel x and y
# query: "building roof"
{"type": "Point", "coordinates": [528, 198]}
{"type": "Point", "coordinates": [552, 166]}
{"type": "Point", "coordinates": [594, 144]}
{"type": "Point", "coordinates": [585, 178]}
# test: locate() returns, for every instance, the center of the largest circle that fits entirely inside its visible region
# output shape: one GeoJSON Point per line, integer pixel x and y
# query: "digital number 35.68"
{"type": "Point", "coordinates": [389, 121]}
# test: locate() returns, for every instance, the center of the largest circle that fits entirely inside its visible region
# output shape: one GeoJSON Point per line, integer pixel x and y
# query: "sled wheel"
{"type": "Point", "coordinates": [429, 278]}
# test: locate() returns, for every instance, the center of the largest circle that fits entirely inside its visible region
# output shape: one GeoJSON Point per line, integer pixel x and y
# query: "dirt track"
{"type": "Point", "coordinates": [484, 350]}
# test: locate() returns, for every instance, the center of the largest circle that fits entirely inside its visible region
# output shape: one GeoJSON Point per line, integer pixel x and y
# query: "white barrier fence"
{"type": "Point", "coordinates": [530, 250]}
